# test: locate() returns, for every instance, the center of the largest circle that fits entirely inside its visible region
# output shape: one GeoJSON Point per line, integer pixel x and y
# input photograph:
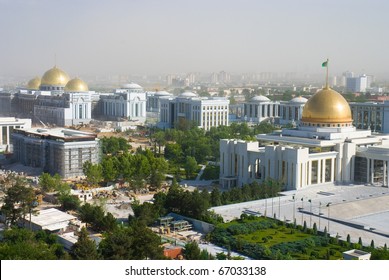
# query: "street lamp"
{"type": "Point", "coordinates": [319, 213]}
{"type": "Point", "coordinates": [310, 210]}
{"type": "Point", "coordinates": [294, 210]}
{"type": "Point", "coordinates": [301, 210]}
{"type": "Point", "coordinates": [328, 205]}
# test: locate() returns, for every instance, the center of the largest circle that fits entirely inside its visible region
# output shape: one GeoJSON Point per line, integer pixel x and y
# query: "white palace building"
{"type": "Point", "coordinates": [324, 148]}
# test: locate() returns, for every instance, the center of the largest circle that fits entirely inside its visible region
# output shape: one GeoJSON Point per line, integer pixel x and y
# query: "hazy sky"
{"type": "Point", "coordinates": [171, 36]}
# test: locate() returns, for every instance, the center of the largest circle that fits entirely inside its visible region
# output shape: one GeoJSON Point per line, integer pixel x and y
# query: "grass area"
{"type": "Point", "coordinates": [266, 238]}
{"type": "Point", "coordinates": [270, 237]}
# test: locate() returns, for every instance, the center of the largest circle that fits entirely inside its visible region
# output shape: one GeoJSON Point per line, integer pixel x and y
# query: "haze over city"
{"type": "Point", "coordinates": [153, 37]}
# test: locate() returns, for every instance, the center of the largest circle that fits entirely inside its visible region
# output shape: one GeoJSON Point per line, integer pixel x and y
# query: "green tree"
{"type": "Point", "coordinates": [69, 202]}
{"type": "Point", "coordinates": [109, 172]}
{"type": "Point", "coordinates": [118, 245]}
{"type": "Point", "coordinates": [141, 171]}
{"type": "Point", "coordinates": [159, 139]}
{"type": "Point", "coordinates": [146, 243]}
{"type": "Point", "coordinates": [215, 197]}
{"type": "Point", "coordinates": [46, 182]}
{"type": "Point", "coordinates": [18, 201]}
{"type": "Point", "coordinates": [94, 215]}
{"type": "Point", "coordinates": [145, 212]}
{"type": "Point", "coordinates": [93, 172]}
{"type": "Point", "coordinates": [173, 152]}
{"type": "Point", "coordinates": [159, 168]}
{"type": "Point", "coordinates": [190, 166]}
{"type": "Point", "coordinates": [192, 251]}
{"type": "Point", "coordinates": [24, 244]}
{"type": "Point", "coordinates": [84, 248]}
{"type": "Point", "coordinates": [314, 228]}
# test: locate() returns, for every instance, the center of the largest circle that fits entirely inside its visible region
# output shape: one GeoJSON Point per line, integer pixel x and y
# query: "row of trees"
{"type": "Point", "coordinates": [203, 145]}
{"type": "Point", "coordinates": [137, 169]}
{"type": "Point", "coordinates": [196, 204]}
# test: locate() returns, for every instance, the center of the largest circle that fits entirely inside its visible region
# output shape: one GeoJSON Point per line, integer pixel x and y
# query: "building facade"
{"type": "Point", "coordinates": [324, 149]}
{"type": "Point", "coordinates": [188, 107]}
{"type": "Point", "coordinates": [260, 108]}
{"type": "Point", "coordinates": [371, 115]}
{"type": "Point", "coordinates": [357, 84]}
{"type": "Point", "coordinates": [56, 150]}
{"type": "Point", "coordinates": [128, 102]}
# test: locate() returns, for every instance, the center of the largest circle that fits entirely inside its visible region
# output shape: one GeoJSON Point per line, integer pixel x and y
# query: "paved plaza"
{"type": "Point", "coordinates": [358, 210]}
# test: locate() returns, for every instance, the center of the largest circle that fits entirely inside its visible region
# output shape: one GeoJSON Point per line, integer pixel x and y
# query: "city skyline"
{"type": "Point", "coordinates": [132, 37]}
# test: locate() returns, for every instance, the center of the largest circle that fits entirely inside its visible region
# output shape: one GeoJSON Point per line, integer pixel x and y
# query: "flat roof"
{"type": "Point", "coordinates": [56, 133]}
{"type": "Point", "coordinates": [356, 253]}
{"type": "Point", "coordinates": [13, 120]}
{"type": "Point", "coordinates": [48, 217]}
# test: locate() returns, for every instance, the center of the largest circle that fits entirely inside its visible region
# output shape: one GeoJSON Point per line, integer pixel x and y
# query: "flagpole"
{"type": "Point", "coordinates": [327, 85]}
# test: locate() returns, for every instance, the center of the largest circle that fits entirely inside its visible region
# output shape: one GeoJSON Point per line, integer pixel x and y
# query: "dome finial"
{"type": "Point", "coordinates": [325, 64]}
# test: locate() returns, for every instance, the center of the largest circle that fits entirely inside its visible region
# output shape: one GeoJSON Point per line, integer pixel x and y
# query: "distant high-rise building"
{"type": "Point", "coordinates": [356, 84]}
{"type": "Point", "coordinates": [169, 79]}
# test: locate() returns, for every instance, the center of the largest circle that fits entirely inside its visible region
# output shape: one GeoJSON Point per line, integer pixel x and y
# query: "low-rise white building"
{"type": "Point", "coordinates": [50, 219]}
{"type": "Point", "coordinates": [206, 112]}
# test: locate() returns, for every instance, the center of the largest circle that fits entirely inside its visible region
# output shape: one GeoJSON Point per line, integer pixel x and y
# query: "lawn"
{"type": "Point", "coordinates": [266, 238]}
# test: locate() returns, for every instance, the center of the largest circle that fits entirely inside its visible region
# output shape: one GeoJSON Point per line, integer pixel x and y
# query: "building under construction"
{"type": "Point", "coordinates": [56, 150]}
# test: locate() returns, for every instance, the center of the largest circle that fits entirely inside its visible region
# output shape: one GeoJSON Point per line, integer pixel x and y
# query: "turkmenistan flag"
{"type": "Point", "coordinates": [325, 63]}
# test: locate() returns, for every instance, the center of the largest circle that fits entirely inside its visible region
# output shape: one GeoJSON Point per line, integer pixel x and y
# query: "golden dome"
{"type": "Point", "coordinates": [55, 77]}
{"type": "Point", "coordinates": [34, 84]}
{"type": "Point", "coordinates": [76, 85]}
{"type": "Point", "coordinates": [326, 107]}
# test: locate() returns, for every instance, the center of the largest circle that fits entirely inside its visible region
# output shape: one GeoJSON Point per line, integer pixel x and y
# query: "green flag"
{"type": "Point", "coordinates": [324, 64]}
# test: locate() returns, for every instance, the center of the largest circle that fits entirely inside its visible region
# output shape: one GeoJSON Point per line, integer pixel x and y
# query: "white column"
{"type": "Point", "coordinates": [384, 177]}
{"type": "Point", "coordinates": [1, 135]}
{"type": "Point", "coordinates": [303, 177]}
{"type": "Point", "coordinates": [323, 177]}
{"type": "Point", "coordinates": [332, 169]}
{"type": "Point", "coordinates": [309, 172]}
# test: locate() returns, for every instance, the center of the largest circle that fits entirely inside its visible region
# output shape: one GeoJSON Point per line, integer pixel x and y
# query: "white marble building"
{"type": "Point", "coordinates": [126, 103]}
{"type": "Point", "coordinates": [324, 148]}
{"type": "Point", "coordinates": [371, 115]}
{"type": "Point", "coordinates": [260, 108]}
{"type": "Point", "coordinates": [206, 112]}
